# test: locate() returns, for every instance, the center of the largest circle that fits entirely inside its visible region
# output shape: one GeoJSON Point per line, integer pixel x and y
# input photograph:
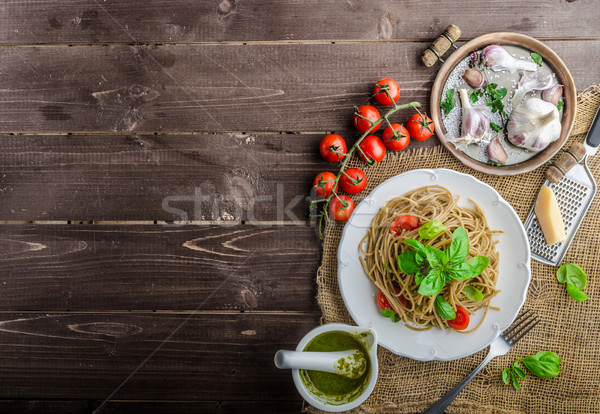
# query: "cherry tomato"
{"type": "Point", "coordinates": [353, 181]}
{"type": "Point", "coordinates": [386, 91]}
{"type": "Point", "coordinates": [323, 184]}
{"type": "Point", "coordinates": [333, 148]}
{"type": "Point", "coordinates": [462, 319]}
{"type": "Point", "coordinates": [339, 211]}
{"type": "Point", "coordinates": [363, 116]}
{"type": "Point", "coordinates": [396, 139]}
{"type": "Point", "coordinates": [420, 127]}
{"type": "Point", "coordinates": [383, 302]}
{"type": "Point", "coordinates": [404, 223]}
{"type": "Point", "coordinates": [373, 148]}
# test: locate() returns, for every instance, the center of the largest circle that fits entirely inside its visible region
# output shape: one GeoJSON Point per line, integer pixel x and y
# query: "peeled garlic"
{"type": "Point", "coordinates": [497, 58]}
{"type": "Point", "coordinates": [475, 120]}
{"type": "Point", "coordinates": [534, 124]}
{"type": "Point", "coordinates": [538, 81]}
{"type": "Point", "coordinates": [553, 94]}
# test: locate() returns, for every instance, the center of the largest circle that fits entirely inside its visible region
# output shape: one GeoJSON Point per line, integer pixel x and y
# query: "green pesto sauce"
{"type": "Point", "coordinates": [333, 387]}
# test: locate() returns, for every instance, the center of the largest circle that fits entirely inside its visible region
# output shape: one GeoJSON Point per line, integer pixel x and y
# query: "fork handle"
{"type": "Point", "coordinates": [440, 406]}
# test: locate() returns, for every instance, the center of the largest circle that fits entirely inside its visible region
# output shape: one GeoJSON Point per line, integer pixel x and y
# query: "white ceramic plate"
{"type": "Point", "coordinates": [359, 293]}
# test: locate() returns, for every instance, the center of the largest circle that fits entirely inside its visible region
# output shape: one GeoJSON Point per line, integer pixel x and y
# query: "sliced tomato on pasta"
{"type": "Point", "coordinates": [462, 319]}
{"type": "Point", "coordinates": [403, 223]}
{"type": "Point", "coordinates": [383, 302]}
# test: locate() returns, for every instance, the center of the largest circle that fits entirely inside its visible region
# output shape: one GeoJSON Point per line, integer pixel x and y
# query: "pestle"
{"type": "Point", "coordinates": [351, 363]}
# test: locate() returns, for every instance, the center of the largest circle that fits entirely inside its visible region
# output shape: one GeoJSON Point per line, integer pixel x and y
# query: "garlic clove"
{"type": "Point", "coordinates": [553, 94]}
{"type": "Point", "coordinates": [496, 152]}
{"type": "Point", "coordinates": [497, 58]}
{"type": "Point", "coordinates": [473, 77]}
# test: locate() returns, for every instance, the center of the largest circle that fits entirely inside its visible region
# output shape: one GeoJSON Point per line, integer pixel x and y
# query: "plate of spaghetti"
{"type": "Point", "coordinates": [436, 262]}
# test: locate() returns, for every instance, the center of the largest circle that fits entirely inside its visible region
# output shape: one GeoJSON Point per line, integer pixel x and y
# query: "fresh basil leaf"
{"type": "Point", "coordinates": [432, 284]}
{"type": "Point", "coordinates": [422, 272]}
{"type": "Point", "coordinates": [449, 102]}
{"type": "Point", "coordinates": [478, 264]}
{"type": "Point", "coordinates": [407, 262]}
{"type": "Point", "coordinates": [472, 293]}
{"type": "Point", "coordinates": [388, 313]}
{"type": "Point", "coordinates": [495, 127]}
{"type": "Point", "coordinates": [431, 229]}
{"type": "Point", "coordinates": [574, 275]}
{"type": "Point", "coordinates": [474, 97]}
{"type": "Point", "coordinates": [414, 244]}
{"type": "Point", "coordinates": [515, 380]}
{"type": "Point", "coordinates": [459, 248]}
{"type": "Point", "coordinates": [435, 257]}
{"type": "Point", "coordinates": [560, 105]}
{"type": "Point", "coordinates": [536, 58]}
{"type": "Point", "coordinates": [575, 293]}
{"type": "Point", "coordinates": [520, 372]}
{"type": "Point", "coordinates": [561, 273]}
{"type": "Point", "coordinates": [544, 364]}
{"type": "Point", "coordinates": [462, 272]}
{"type": "Point", "coordinates": [506, 375]}
{"type": "Point", "coordinates": [444, 309]}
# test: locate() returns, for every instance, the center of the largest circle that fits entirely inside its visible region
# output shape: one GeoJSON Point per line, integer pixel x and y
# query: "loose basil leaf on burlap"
{"type": "Point", "coordinates": [515, 380]}
{"type": "Point", "coordinates": [407, 262]}
{"type": "Point", "coordinates": [575, 293]}
{"type": "Point", "coordinates": [444, 309]}
{"type": "Point", "coordinates": [431, 229]}
{"type": "Point", "coordinates": [575, 275]}
{"type": "Point", "coordinates": [478, 263]}
{"type": "Point", "coordinates": [415, 244]}
{"type": "Point", "coordinates": [388, 313]}
{"type": "Point", "coordinates": [506, 375]}
{"type": "Point", "coordinates": [433, 283]}
{"type": "Point", "coordinates": [459, 248]}
{"type": "Point", "coordinates": [544, 364]}
{"type": "Point", "coordinates": [472, 293]}
{"type": "Point", "coordinates": [518, 370]}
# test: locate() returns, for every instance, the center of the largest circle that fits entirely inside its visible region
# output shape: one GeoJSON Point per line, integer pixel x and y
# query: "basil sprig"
{"type": "Point", "coordinates": [449, 102]}
{"type": "Point", "coordinates": [434, 268]}
{"type": "Point", "coordinates": [544, 364]}
{"type": "Point", "coordinates": [388, 313]}
{"type": "Point", "coordinates": [575, 278]}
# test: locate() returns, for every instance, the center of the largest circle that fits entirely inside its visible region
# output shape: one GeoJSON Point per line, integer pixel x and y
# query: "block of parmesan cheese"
{"type": "Point", "coordinates": [548, 215]}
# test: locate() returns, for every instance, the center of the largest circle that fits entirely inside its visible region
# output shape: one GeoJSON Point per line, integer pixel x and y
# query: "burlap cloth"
{"type": "Point", "coordinates": [569, 328]}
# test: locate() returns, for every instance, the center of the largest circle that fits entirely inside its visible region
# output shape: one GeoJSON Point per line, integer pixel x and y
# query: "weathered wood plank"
{"type": "Point", "coordinates": [229, 20]}
{"type": "Point", "coordinates": [199, 357]}
{"type": "Point", "coordinates": [157, 177]}
{"type": "Point", "coordinates": [216, 88]}
{"type": "Point", "coordinates": [149, 407]}
{"type": "Point", "coordinates": [82, 267]}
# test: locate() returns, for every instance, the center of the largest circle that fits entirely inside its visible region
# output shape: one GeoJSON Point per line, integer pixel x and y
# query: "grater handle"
{"type": "Point", "coordinates": [440, 46]}
{"type": "Point", "coordinates": [593, 135]}
{"type": "Point", "coordinates": [567, 160]}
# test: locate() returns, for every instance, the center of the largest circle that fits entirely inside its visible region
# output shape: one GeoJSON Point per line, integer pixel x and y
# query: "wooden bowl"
{"type": "Point", "coordinates": [562, 73]}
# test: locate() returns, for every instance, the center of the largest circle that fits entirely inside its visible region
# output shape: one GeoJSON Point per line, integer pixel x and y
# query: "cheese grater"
{"type": "Point", "coordinates": [574, 193]}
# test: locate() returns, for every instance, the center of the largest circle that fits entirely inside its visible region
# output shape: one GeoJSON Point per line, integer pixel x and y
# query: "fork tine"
{"type": "Point", "coordinates": [518, 322]}
{"type": "Point", "coordinates": [523, 329]}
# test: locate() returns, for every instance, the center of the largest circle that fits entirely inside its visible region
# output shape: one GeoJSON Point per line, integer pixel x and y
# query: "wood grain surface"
{"type": "Point", "coordinates": [119, 117]}
{"type": "Point", "coordinates": [99, 21]}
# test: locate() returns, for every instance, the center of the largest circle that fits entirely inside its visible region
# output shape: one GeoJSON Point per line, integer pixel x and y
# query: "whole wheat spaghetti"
{"type": "Point", "coordinates": [381, 248]}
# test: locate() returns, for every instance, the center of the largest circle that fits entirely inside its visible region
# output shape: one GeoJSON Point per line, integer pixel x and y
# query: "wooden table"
{"type": "Point", "coordinates": [120, 117]}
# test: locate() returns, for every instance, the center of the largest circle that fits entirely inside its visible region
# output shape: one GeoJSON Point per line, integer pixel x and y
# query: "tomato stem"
{"type": "Point", "coordinates": [349, 154]}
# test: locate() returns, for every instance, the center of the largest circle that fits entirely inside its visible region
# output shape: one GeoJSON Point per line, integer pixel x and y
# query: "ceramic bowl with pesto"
{"type": "Point", "coordinates": [331, 392]}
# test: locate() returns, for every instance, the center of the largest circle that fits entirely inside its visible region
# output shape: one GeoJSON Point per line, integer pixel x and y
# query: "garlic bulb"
{"type": "Point", "coordinates": [497, 58]}
{"type": "Point", "coordinates": [475, 120]}
{"type": "Point", "coordinates": [553, 94]}
{"type": "Point", "coordinates": [534, 124]}
{"type": "Point", "coordinates": [537, 81]}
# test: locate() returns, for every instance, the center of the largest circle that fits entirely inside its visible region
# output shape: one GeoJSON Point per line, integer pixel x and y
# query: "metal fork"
{"type": "Point", "coordinates": [500, 346]}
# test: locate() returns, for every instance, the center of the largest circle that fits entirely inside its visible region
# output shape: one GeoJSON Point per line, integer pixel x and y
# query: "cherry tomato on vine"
{"type": "Point", "coordinates": [420, 127]}
{"type": "Point", "coordinates": [386, 91]}
{"type": "Point", "coordinates": [404, 223]}
{"type": "Point", "coordinates": [323, 184]}
{"type": "Point", "coordinates": [462, 319]}
{"type": "Point", "coordinates": [341, 210]}
{"type": "Point", "coordinates": [373, 148]}
{"type": "Point", "coordinates": [333, 148]}
{"type": "Point", "coordinates": [363, 116]}
{"type": "Point", "coordinates": [353, 180]}
{"type": "Point", "coordinates": [385, 304]}
{"type": "Point", "coordinates": [396, 139]}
